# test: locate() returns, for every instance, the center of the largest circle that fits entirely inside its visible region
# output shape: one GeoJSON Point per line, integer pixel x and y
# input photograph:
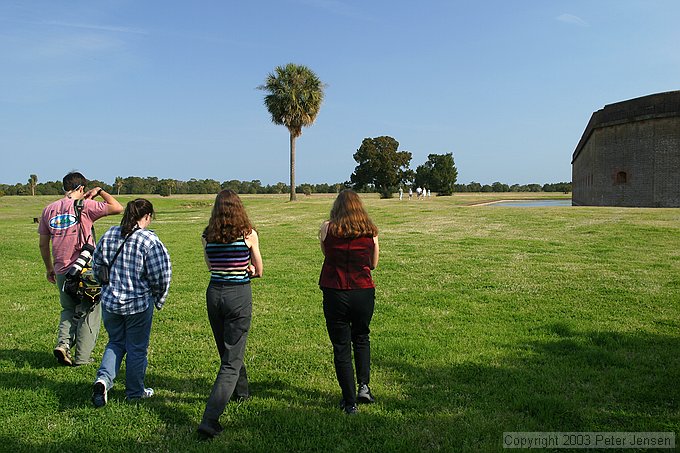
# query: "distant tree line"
{"type": "Point", "coordinates": [381, 168]}
{"type": "Point", "coordinates": [500, 187]}
{"type": "Point", "coordinates": [167, 187]}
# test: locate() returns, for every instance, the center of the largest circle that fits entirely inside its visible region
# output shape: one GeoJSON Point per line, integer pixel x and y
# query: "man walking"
{"type": "Point", "coordinates": [68, 229]}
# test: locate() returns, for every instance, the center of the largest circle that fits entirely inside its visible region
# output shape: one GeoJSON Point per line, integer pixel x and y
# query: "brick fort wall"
{"type": "Point", "coordinates": [629, 154]}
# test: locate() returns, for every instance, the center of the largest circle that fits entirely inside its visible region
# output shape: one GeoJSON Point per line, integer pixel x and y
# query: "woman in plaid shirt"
{"type": "Point", "coordinates": [139, 279]}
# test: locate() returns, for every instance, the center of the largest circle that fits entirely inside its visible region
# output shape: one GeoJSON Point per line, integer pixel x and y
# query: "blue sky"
{"type": "Point", "coordinates": [168, 88]}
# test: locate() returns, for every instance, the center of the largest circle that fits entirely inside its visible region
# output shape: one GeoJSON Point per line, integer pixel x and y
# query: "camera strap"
{"type": "Point", "coordinates": [78, 209]}
{"type": "Point", "coordinates": [121, 248]}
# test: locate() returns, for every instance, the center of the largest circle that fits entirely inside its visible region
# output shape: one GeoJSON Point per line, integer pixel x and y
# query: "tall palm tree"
{"type": "Point", "coordinates": [294, 100]}
{"type": "Point", "coordinates": [33, 182]}
{"type": "Point", "coordinates": [118, 183]}
{"type": "Point", "coordinates": [169, 184]}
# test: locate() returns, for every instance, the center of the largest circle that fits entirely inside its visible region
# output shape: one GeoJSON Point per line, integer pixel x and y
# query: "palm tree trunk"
{"type": "Point", "coordinates": [292, 168]}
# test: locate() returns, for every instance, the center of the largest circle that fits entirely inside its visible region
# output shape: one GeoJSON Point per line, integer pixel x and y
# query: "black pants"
{"type": "Point", "coordinates": [348, 315]}
{"type": "Point", "coordinates": [230, 313]}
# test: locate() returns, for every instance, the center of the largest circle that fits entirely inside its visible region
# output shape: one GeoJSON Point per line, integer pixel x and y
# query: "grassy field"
{"type": "Point", "coordinates": [488, 319]}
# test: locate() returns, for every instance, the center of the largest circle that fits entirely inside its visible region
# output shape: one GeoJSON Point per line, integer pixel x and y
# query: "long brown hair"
{"type": "Point", "coordinates": [349, 218]}
{"type": "Point", "coordinates": [229, 219]}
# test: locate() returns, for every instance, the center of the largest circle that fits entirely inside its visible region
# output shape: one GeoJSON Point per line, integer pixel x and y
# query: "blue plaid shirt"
{"type": "Point", "coordinates": [140, 275]}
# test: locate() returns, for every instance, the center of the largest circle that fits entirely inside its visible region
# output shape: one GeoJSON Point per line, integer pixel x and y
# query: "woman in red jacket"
{"type": "Point", "coordinates": [349, 242]}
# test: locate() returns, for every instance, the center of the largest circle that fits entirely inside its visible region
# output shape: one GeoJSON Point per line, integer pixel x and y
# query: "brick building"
{"type": "Point", "coordinates": [629, 154]}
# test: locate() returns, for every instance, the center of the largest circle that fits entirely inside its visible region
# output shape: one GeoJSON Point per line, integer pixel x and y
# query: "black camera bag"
{"type": "Point", "coordinates": [103, 270]}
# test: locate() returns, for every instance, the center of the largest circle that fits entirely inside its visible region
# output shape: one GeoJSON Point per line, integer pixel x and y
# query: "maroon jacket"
{"type": "Point", "coordinates": [347, 264]}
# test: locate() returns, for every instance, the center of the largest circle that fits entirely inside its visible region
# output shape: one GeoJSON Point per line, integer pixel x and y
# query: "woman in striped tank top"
{"type": "Point", "coordinates": [232, 253]}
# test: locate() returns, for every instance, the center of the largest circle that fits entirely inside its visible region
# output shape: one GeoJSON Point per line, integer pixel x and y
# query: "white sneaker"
{"type": "Point", "coordinates": [148, 393]}
{"type": "Point", "coordinates": [99, 393]}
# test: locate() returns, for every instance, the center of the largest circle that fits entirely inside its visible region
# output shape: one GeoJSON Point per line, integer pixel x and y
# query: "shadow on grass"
{"type": "Point", "coordinates": [595, 381]}
{"type": "Point", "coordinates": [31, 359]}
{"type": "Point", "coordinates": [568, 381]}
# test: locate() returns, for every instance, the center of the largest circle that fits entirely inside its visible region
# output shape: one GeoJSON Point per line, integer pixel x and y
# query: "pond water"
{"type": "Point", "coordinates": [532, 203]}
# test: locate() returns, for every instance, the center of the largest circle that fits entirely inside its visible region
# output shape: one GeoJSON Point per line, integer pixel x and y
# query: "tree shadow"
{"type": "Point", "coordinates": [27, 358]}
{"type": "Point", "coordinates": [574, 381]}
{"type": "Point", "coordinates": [567, 380]}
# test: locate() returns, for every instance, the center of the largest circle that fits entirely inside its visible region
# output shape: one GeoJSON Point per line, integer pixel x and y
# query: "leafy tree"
{"type": "Point", "coordinates": [424, 176]}
{"type": "Point", "coordinates": [32, 182]}
{"type": "Point", "coordinates": [306, 189]}
{"type": "Point", "coordinates": [207, 186]}
{"type": "Point", "coordinates": [167, 186]}
{"type": "Point", "coordinates": [50, 188]}
{"type": "Point", "coordinates": [135, 185]}
{"type": "Point", "coordinates": [438, 174]}
{"type": "Point", "coordinates": [474, 187]}
{"type": "Point", "coordinates": [294, 99]}
{"type": "Point", "coordinates": [118, 183]}
{"type": "Point", "coordinates": [381, 165]}
{"type": "Point", "coordinates": [500, 187]}
{"type": "Point", "coordinates": [280, 187]}
{"type": "Point", "coordinates": [233, 184]}
{"type": "Point", "coordinates": [557, 187]}
{"type": "Point", "coordinates": [257, 185]}
{"type": "Point", "coordinates": [97, 183]}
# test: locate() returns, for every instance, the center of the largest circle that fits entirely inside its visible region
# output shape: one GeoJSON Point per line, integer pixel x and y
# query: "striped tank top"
{"type": "Point", "coordinates": [229, 262]}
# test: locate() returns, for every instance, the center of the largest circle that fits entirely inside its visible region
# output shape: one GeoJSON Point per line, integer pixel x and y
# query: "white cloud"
{"type": "Point", "coordinates": [75, 46]}
{"type": "Point", "coordinates": [572, 19]}
{"type": "Point", "coordinates": [95, 27]}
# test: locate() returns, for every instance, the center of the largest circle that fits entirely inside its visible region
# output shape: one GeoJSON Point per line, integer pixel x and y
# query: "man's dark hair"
{"type": "Point", "coordinates": [73, 180]}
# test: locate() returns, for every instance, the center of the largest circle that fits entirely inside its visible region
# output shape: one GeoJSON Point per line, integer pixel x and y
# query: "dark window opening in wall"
{"type": "Point", "coordinates": [621, 177]}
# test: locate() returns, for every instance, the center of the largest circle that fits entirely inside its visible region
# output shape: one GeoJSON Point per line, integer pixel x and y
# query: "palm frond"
{"type": "Point", "coordinates": [295, 96]}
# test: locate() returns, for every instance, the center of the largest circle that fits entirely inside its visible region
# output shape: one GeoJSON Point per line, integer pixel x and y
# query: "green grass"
{"type": "Point", "coordinates": [487, 320]}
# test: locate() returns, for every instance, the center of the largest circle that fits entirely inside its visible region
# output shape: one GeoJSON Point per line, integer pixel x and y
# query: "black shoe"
{"type": "Point", "coordinates": [99, 393]}
{"type": "Point", "coordinates": [351, 409]}
{"type": "Point", "coordinates": [364, 394]}
{"type": "Point", "coordinates": [207, 431]}
{"type": "Point", "coordinates": [240, 398]}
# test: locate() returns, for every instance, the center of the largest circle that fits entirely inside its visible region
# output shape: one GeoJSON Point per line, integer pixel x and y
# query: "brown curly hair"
{"type": "Point", "coordinates": [229, 219]}
{"type": "Point", "coordinates": [349, 218]}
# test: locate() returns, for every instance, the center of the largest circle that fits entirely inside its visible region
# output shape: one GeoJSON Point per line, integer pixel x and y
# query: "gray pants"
{"type": "Point", "coordinates": [230, 313]}
{"type": "Point", "coordinates": [79, 334]}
